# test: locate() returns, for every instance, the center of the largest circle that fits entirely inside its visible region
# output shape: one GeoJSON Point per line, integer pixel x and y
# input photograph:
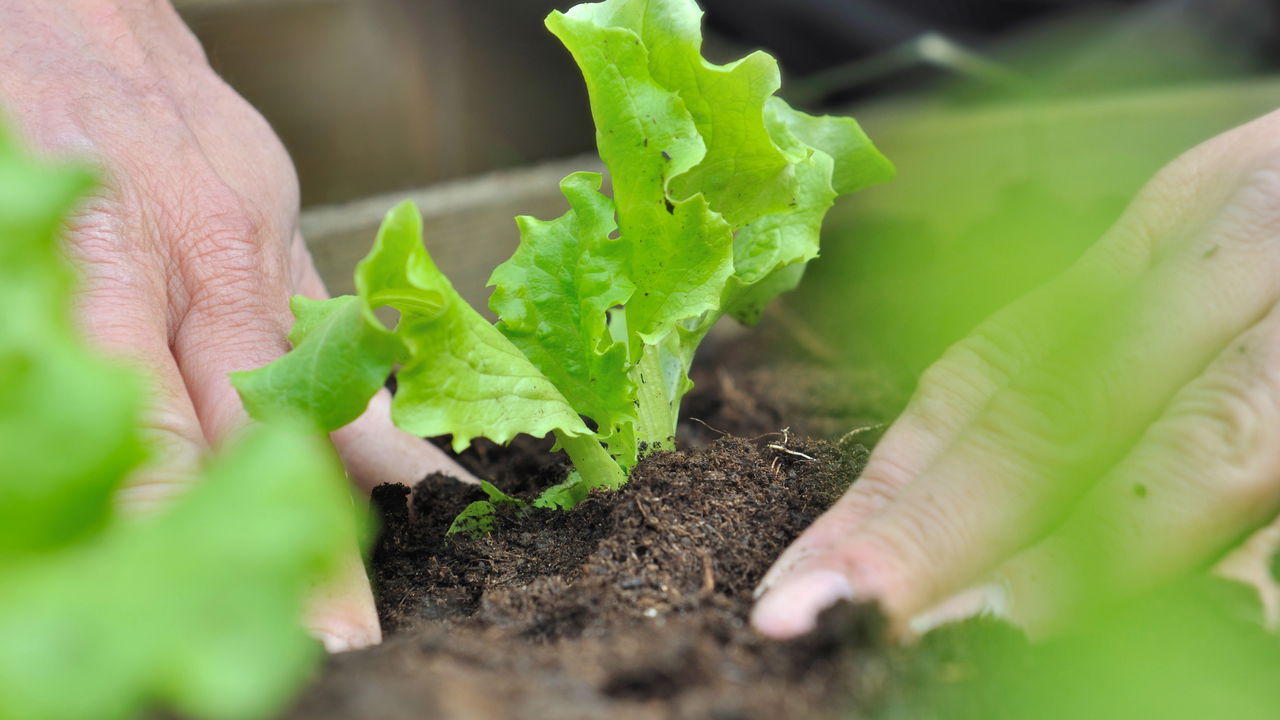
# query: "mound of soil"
{"type": "Point", "coordinates": [633, 605]}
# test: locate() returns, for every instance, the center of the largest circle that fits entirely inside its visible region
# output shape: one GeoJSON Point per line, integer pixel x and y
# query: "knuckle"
{"type": "Point", "coordinates": [1132, 242]}
{"type": "Point", "coordinates": [251, 332]}
{"type": "Point", "coordinates": [1228, 422]}
{"type": "Point", "coordinates": [898, 562]}
{"type": "Point", "coordinates": [227, 256]}
{"type": "Point", "coordinates": [1261, 183]}
{"type": "Point", "coordinates": [226, 345]}
{"type": "Point", "coordinates": [1166, 193]}
{"type": "Point", "coordinates": [875, 489]}
{"type": "Point", "coordinates": [993, 351]}
{"type": "Point", "coordinates": [175, 433]}
{"type": "Point", "coordinates": [1252, 211]}
{"type": "Point", "coordinates": [965, 375]}
{"type": "Point", "coordinates": [1049, 413]}
{"type": "Point", "coordinates": [227, 229]}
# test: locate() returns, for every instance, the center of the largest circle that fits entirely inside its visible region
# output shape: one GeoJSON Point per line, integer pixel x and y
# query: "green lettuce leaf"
{"type": "Point", "coordinates": [680, 252]}
{"type": "Point", "coordinates": [553, 296]}
{"type": "Point", "coordinates": [196, 609]}
{"type": "Point", "coordinates": [718, 189]}
{"type": "Point", "coordinates": [340, 359]}
{"type": "Point", "coordinates": [771, 251]}
{"type": "Point", "coordinates": [462, 376]}
{"type": "Point", "coordinates": [858, 164]}
{"type": "Point", "coordinates": [742, 173]}
{"type": "Point", "coordinates": [744, 191]}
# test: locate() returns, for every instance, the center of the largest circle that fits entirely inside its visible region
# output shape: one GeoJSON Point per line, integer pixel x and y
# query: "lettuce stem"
{"type": "Point", "coordinates": [592, 461]}
{"type": "Point", "coordinates": [655, 410]}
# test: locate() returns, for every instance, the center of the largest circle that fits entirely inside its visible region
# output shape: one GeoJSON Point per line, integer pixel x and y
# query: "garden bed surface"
{"type": "Point", "coordinates": [635, 603]}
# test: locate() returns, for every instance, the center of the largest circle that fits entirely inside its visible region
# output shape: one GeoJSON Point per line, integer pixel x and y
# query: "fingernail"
{"type": "Point", "coordinates": [990, 600]}
{"type": "Point", "coordinates": [782, 568]}
{"type": "Point", "coordinates": [791, 608]}
{"type": "Point", "coordinates": [339, 642]}
{"type": "Point", "coordinates": [762, 588]}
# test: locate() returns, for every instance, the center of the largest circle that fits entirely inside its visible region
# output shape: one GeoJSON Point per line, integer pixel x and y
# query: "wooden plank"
{"type": "Point", "coordinates": [469, 225]}
{"type": "Point", "coordinates": [199, 5]}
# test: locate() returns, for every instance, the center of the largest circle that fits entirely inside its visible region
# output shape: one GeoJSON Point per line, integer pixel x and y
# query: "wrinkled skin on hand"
{"type": "Point", "coordinates": [1112, 431]}
{"type": "Point", "coordinates": [190, 250]}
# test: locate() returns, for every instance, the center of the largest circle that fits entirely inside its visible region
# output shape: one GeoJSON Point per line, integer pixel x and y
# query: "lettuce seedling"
{"type": "Point", "coordinates": [196, 608]}
{"type": "Point", "coordinates": [718, 193]}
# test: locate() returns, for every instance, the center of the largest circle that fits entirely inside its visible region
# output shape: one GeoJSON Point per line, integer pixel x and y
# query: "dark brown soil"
{"type": "Point", "coordinates": [633, 605]}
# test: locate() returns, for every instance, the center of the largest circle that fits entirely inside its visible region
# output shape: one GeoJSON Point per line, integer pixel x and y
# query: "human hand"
{"type": "Point", "coordinates": [1111, 431]}
{"type": "Point", "coordinates": [189, 251]}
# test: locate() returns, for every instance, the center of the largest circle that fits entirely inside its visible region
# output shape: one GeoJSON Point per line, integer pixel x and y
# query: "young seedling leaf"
{"type": "Point", "coordinates": [461, 375]}
{"type": "Point", "coordinates": [478, 517]}
{"type": "Point", "coordinates": [340, 359]}
{"type": "Point", "coordinates": [564, 495]}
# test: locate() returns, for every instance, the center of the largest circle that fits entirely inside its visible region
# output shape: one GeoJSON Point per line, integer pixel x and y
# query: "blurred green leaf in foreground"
{"type": "Point", "coordinates": [195, 609]}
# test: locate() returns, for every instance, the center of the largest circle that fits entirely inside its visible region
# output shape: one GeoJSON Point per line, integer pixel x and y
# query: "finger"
{"type": "Point", "coordinates": [373, 450]}
{"type": "Point", "coordinates": [238, 319]}
{"type": "Point", "coordinates": [1201, 478]}
{"type": "Point", "coordinates": [1029, 452]}
{"type": "Point", "coordinates": [341, 613]}
{"type": "Point", "coordinates": [117, 320]}
{"type": "Point", "coordinates": [237, 310]}
{"type": "Point", "coordinates": [1031, 590]}
{"type": "Point", "coordinates": [1254, 563]}
{"type": "Point", "coordinates": [950, 394]}
{"type": "Point", "coordinates": [956, 388]}
{"type": "Point", "coordinates": [118, 314]}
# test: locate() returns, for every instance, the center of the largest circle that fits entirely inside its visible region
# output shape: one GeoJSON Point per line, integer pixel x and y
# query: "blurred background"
{"type": "Point", "coordinates": [379, 95]}
{"type": "Point", "coordinates": [1020, 129]}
